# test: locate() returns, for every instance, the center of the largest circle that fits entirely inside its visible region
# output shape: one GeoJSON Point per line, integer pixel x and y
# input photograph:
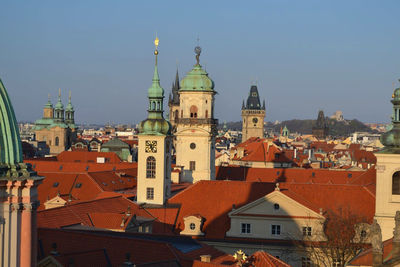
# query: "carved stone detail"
{"type": "Point", "coordinates": [376, 238]}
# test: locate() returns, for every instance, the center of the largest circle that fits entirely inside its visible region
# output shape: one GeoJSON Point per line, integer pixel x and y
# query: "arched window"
{"type": "Point", "coordinates": [206, 114]}
{"type": "Point", "coordinates": [193, 112]}
{"type": "Point", "coordinates": [153, 105]}
{"type": "Point", "coordinates": [158, 105]}
{"type": "Point", "coordinates": [151, 167]}
{"type": "Point", "coordinates": [396, 183]}
{"type": "Point", "coordinates": [176, 114]}
{"type": "Point", "coordinates": [57, 141]}
{"type": "Point", "coordinates": [181, 113]}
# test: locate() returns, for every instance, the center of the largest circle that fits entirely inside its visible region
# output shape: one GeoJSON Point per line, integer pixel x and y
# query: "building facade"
{"type": "Point", "coordinates": [196, 125]}
{"type": "Point", "coordinates": [57, 130]}
{"type": "Point", "coordinates": [154, 155]}
{"type": "Point", "coordinates": [388, 173]}
{"type": "Point", "coordinates": [253, 115]}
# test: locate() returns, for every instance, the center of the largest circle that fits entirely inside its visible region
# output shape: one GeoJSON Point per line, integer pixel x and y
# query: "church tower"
{"type": "Point", "coordinates": [253, 115]}
{"type": "Point", "coordinates": [18, 193]}
{"type": "Point", "coordinates": [196, 127]}
{"type": "Point", "coordinates": [173, 103]}
{"type": "Point", "coordinates": [154, 155]}
{"type": "Point", "coordinates": [320, 129]}
{"type": "Point", "coordinates": [388, 173]}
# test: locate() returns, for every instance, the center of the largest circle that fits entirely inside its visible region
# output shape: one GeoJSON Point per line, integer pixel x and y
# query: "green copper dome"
{"type": "Point", "coordinates": [48, 104]}
{"type": "Point", "coordinates": [10, 142]}
{"type": "Point", "coordinates": [69, 105]}
{"type": "Point", "coordinates": [391, 139]}
{"type": "Point", "coordinates": [197, 79]}
{"type": "Point", "coordinates": [59, 104]}
{"type": "Point", "coordinates": [155, 124]}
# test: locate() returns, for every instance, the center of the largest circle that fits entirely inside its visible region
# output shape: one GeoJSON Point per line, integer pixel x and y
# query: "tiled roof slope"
{"type": "Point", "coordinates": [296, 175]}
{"type": "Point", "coordinates": [98, 250]}
{"type": "Point", "coordinates": [88, 156]}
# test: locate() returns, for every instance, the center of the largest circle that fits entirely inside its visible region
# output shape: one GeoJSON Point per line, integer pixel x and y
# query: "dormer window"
{"type": "Point", "coordinates": [193, 225]}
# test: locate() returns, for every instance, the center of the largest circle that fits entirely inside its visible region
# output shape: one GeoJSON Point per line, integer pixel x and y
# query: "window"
{"type": "Point", "coordinates": [192, 145]}
{"type": "Point", "coordinates": [306, 231]}
{"type": "Point", "coordinates": [192, 226]}
{"type": "Point", "coordinates": [206, 114]}
{"type": "Point", "coordinates": [275, 229]}
{"type": "Point", "coordinates": [305, 262]}
{"type": "Point", "coordinates": [193, 112]}
{"type": "Point", "coordinates": [150, 193]}
{"type": "Point", "coordinates": [192, 166]}
{"type": "Point", "coordinates": [396, 183]}
{"type": "Point", "coordinates": [176, 114]}
{"type": "Point", "coordinates": [56, 184]}
{"type": "Point", "coordinates": [245, 228]}
{"type": "Point", "coordinates": [276, 206]}
{"type": "Point", "coordinates": [78, 185]}
{"type": "Point", "coordinates": [151, 167]}
{"type": "Point", "coordinates": [181, 113]}
{"type": "Point", "coordinates": [57, 141]}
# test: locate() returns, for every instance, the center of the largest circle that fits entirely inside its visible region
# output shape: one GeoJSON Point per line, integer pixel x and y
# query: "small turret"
{"type": "Point", "coordinates": [48, 110]}
{"type": "Point", "coordinates": [69, 113]}
{"type": "Point", "coordinates": [391, 139]}
{"type": "Point", "coordinates": [59, 109]}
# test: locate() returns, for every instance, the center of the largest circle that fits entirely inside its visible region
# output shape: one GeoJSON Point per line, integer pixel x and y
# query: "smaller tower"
{"type": "Point", "coordinates": [69, 113]}
{"type": "Point", "coordinates": [320, 129]}
{"type": "Point", "coordinates": [173, 102]}
{"type": "Point", "coordinates": [48, 110]}
{"type": "Point", "coordinates": [253, 115]}
{"type": "Point", "coordinates": [154, 156]}
{"type": "Point", "coordinates": [59, 109]}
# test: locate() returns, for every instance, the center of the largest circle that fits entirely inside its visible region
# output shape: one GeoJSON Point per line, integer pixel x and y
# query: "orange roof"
{"type": "Point", "coordinates": [295, 175]}
{"type": "Point", "coordinates": [214, 199]}
{"type": "Point", "coordinates": [98, 249]}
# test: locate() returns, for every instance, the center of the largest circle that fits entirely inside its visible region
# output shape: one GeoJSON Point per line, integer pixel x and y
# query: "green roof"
{"type": "Point", "coordinates": [197, 80]}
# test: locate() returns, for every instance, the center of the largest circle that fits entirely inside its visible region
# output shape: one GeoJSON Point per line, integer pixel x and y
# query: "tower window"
{"type": "Point", "coordinates": [396, 183]}
{"type": "Point", "coordinates": [193, 112]}
{"type": "Point", "coordinates": [206, 114]}
{"type": "Point", "coordinates": [151, 167]}
{"type": "Point", "coordinates": [57, 141]}
{"type": "Point", "coordinates": [149, 193]}
{"type": "Point", "coordinates": [176, 114]}
{"type": "Point", "coordinates": [181, 113]}
{"type": "Point", "coordinates": [192, 166]}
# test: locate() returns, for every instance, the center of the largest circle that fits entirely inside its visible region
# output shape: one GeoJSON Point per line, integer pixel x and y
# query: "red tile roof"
{"type": "Point", "coordinates": [88, 156]}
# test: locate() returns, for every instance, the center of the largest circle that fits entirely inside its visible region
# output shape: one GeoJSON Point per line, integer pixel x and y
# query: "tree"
{"type": "Point", "coordinates": [344, 235]}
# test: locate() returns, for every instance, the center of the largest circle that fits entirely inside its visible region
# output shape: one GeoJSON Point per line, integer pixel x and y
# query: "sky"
{"type": "Point", "coordinates": [303, 55]}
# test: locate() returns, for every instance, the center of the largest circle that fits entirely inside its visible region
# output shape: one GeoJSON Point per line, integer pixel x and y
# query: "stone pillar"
{"type": "Point", "coordinates": [26, 235]}
{"type": "Point", "coordinates": [377, 246]}
{"type": "Point", "coordinates": [396, 236]}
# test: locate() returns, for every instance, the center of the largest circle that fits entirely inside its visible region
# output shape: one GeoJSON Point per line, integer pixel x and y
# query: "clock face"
{"type": "Point", "coordinates": [151, 147]}
{"type": "Point", "coordinates": [255, 120]}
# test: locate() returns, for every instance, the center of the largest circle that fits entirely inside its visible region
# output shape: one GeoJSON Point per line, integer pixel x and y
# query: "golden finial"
{"type": "Point", "coordinates": [156, 41]}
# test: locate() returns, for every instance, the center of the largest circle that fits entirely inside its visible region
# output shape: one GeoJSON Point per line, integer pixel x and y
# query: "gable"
{"type": "Point", "coordinates": [265, 206]}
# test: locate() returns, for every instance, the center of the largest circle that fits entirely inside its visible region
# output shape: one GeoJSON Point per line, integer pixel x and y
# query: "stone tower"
{"type": "Point", "coordinates": [173, 103]}
{"type": "Point", "coordinates": [253, 115]}
{"type": "Point", "coordinates": [154, 155]}
{"type": "Point", "coordinates": [196, 127]}
{"type": "Point", "coordinates": [388, 173]}
{"type": "Point", "coordinates": [18, 190]}
{"type": "Point", "coordinates": [320, 129]}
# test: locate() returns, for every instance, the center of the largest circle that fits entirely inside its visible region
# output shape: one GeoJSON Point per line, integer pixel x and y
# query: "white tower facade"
{"type": "Point", "coordinates": [154, 155]}
{"type": "Point", "coordinates": [196, 126]}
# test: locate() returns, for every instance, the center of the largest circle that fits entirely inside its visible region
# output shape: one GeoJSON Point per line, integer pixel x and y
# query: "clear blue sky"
{"type": "Point", "coordinates": [306, 55]}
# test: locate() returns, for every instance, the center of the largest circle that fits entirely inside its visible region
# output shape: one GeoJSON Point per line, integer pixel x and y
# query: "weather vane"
{"type": "Point", "coordinates": [197, 50]}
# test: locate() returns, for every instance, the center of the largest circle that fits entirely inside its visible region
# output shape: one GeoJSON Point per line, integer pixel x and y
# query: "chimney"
{"type": "Point", "coordinates": [205, 258]}
{"type": "Point", "coordinates": [396, 236]}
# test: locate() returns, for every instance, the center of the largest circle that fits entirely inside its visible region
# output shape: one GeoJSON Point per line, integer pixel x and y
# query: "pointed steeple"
{"type": "Point", "coordinates": [155, 122]}
{"type": "Point", "coordinates": [69, 113]}
{"type": "Point", "coordinates": [69, 106]}
{"type": "Point", "coordinates": [175, 90]}
{"type": "Point", "coordinates": [263, 106]}
{"type": "Point", "coordinates": [48, 104]}
{"type": "Point", "coordinates": [243, 107]}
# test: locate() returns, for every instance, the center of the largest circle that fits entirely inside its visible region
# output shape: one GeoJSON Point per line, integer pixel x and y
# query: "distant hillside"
{"type": "Point", "coordinates": [336, 128]}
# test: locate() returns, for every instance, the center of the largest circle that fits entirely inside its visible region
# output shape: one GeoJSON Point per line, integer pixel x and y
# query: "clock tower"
{"type": "Point", "coordinates": [196, 125]}
{"type": "Point", "coordinates": [253, 115]}
{"type": "Point", "coordinates": [154, 155]}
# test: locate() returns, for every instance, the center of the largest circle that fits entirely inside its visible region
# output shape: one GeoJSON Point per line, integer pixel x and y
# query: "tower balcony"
{"type": "Point", "coordinates": [197, 121]}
